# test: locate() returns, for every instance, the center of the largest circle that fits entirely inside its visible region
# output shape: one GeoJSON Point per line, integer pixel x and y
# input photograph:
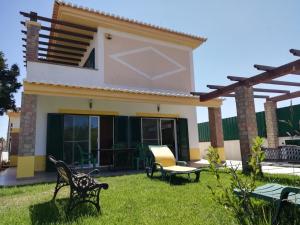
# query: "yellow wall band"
{"type": "Point", "coordinates": [13, 160]}
{"type": "Point", "coordinates": [39, 163]}
{"type": "Point", "coordinates": [221, 152]}
{"type": "Point", "coordinates": [194, 153]}
{"type": "Point", "coordinates": [25, 166]}
{"type": "Point", "coordinates": [15, 130]}
{"type": "Point", "coordinates": [88, 112]}
{"type": "Point", "coordinates": [161, 115]}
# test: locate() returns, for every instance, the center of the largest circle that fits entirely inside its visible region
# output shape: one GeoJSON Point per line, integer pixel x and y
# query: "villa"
{"type": "Point", "coordinates": [103, 83]}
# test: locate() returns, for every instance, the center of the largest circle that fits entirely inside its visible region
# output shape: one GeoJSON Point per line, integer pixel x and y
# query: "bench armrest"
{"type": "Point", "coordinates": [181, 163]}
{"type": "Point", "coordinates": [93, 171]}
{"type": "Point", "coordinates": [287, 190]}
{"type": "Point", "coordinates": [158, 165]}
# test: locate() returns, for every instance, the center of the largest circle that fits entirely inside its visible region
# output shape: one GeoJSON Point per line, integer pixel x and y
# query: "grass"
{"type": "Point", "coordinates": [130, 199]}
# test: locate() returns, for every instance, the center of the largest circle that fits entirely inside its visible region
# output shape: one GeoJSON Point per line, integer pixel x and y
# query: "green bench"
{"type": "Point", "coordinates": [276, 193]}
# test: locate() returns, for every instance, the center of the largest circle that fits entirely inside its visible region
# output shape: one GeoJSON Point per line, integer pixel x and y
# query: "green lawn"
{"type": "Point", "coordinates": [130, 199]}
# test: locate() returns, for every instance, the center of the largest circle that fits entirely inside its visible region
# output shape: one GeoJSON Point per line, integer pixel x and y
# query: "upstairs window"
{"type": "Point", "coordinates": [90, 62]}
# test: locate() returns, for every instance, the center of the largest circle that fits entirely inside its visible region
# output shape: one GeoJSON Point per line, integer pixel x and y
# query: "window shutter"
{"type": "Point", "coordinates": [54, 145]}
{"type": "Point", "coordinates": [183, 139]}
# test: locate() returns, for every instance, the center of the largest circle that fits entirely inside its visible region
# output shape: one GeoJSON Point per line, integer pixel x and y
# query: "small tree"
{"type": "Point", "coordinates": [8, 85]}
{"type": "Point", "coordinates": [292, 124]}
{"type": "Point", "coordinates": [244, 210]}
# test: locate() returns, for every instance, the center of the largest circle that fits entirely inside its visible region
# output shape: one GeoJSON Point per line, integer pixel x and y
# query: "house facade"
{"type": "Point", "coordinates": [105, 85]}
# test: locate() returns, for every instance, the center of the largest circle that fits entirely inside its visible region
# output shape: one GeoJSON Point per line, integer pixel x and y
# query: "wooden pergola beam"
{"type": "Point", "coordinates": [58, 61]}
{"type": "Point", "coordinates": [276, 82]}
{"type": "Point", "coordinates": [265, 76]}
{"type": "Point", "coordinates": [61, 39]}
{"type": "Point", "coordinates": [59, 45]}
{"type": "Point", "coordinates": [229, 95]}
{"type": "Point", "coordinates": [295, 52]}
{"type": "Point", "coordinates": [254, 89]}
{"type": "Point", "coordinates": [291, 95]}
{"type": "Point", "coordinates": [56, 56]}
{"type": "Point", "coordinates": [59, 57]}
{"type": "Point", "coordinates": [61, 31]}
{"type": "Point", "coordinates": [61, 52]}
{"type": "Point", "coordinates": [61, 22]}
{"type": "Point", "coordinates": [268, 68]}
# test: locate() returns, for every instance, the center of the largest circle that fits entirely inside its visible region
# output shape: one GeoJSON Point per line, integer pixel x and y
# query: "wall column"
{"type": "Point", "coordinates": [246, 119]}
{"type": "Point", "coordinates": [26, 151]}
{"type": "Point", "coordinates": [216, 130]}
{"type": "Point", "coordinates": [33, 29]}
{"type": "Point", "coordinates": [271, 124]}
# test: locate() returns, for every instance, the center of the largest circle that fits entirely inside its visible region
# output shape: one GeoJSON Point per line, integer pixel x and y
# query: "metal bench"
{"type": "Point", "coordinates": [277, 194]}
{"type": "Point", "coordinates": [83, 188]}
{"type": "Point", "coordinates": [288, 153]}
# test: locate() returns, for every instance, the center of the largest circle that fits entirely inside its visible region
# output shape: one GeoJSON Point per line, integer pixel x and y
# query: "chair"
{"type": "Point", "coordinates": [141, 155]}
{"type": "Point", "coordinates": [86, 157]}
{"type": "Point", "coordinates": [83, 188]}
{"type": "Point", "coordinates": [165, 162]}
{"type": "Point", "coordinates": [277, 194]}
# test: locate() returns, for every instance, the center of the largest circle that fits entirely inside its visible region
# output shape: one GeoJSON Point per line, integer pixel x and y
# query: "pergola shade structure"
{"type": "Point", "coordinates": [242, 89]}
{"type": "Point", "coordinates": [66, 42]}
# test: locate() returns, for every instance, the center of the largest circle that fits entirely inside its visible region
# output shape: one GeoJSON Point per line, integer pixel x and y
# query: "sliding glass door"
{"type": "Point", "coordinates": [168, 134]}
{"type": "Point", "coordinates": [76, 138]}
{"type": "Point", "coordinates": [160, 132]}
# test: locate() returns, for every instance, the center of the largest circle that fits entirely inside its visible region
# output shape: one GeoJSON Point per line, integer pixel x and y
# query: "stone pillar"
{"type": "Point", "coordinates": [246, 119]}
{"type": "Point", "coordinates": [271, 124]}
{"type": "Point", "coordinates": [26, 151]}
{"type": "Point", "coordinates": [216, 130]}
{"type": "Point", "coordinates": [32, 43]}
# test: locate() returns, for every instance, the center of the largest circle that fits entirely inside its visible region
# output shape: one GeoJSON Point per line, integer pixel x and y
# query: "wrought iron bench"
{"type": "Point", "coordinates": [83, 188]}
{"type": "Point", "coordinates": [288, 153]}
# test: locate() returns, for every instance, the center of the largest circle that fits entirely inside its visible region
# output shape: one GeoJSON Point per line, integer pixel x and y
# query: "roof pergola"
{"type": "Point", "coordinates": [265, 77]}
{"type": "Point", "coordinates": [67, 42]}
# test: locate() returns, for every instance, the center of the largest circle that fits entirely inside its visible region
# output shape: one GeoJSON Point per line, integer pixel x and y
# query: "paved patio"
{"type": "Point", "coordinates": [267, 167]}
{"type": "Point", "coordinates": [8, 177]}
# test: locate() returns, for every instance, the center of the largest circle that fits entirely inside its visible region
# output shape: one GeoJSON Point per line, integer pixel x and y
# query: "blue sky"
{"type": "Point", "coordinates": [240, 34]}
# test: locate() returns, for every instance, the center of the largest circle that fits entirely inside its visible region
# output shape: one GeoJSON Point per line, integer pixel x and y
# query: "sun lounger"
{"type": "Point", "coordinates": [165, 162]}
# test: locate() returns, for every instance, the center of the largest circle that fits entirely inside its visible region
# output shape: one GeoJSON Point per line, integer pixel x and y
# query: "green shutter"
{"type": "Point", "coordinates": [54, 144]}
{"type": "Point", "coordinates": [121, 131]}
{"type": "Point", "coordinates": [134, 131]}
{"type": "Point", "coordinates": [183, 139]}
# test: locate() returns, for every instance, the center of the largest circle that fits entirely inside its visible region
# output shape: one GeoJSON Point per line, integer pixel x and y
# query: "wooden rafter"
{"type": "Point", "coordinates": [58, 61]}
{"type": "Point", "coordinates": [61, 52]}
{"type": "Point", "coordinates": [269, 68]}
{"type": "Point", "coordinates": [254, 89]}
{"type": "Point", "coordinates": [229, 95]}
{"type": "Point", "coordinates": [59, 45]}
{"type": "Point", "coordinates": [276, 82]}
{"type": "Point", "coordinates": [61, 31]}
{"type": "Point", "coordinates": [291, 95]}
{"type": "Point", "coordinates": [295, 52]}
{"type": "Point", "coordinates": [61, 39]}
{"type": "Point", "coordinates": [36, 17]}
{"type": "Point", "coordinates": [262, 77]}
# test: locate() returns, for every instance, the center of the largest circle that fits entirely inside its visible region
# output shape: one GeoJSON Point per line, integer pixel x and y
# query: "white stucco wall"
{"type": "Point", "coordinates": [47, 104]}
{"type": "Point", "coordinates": [232, 147]}
{"type": "Point", "coordinates": [66, 75]}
